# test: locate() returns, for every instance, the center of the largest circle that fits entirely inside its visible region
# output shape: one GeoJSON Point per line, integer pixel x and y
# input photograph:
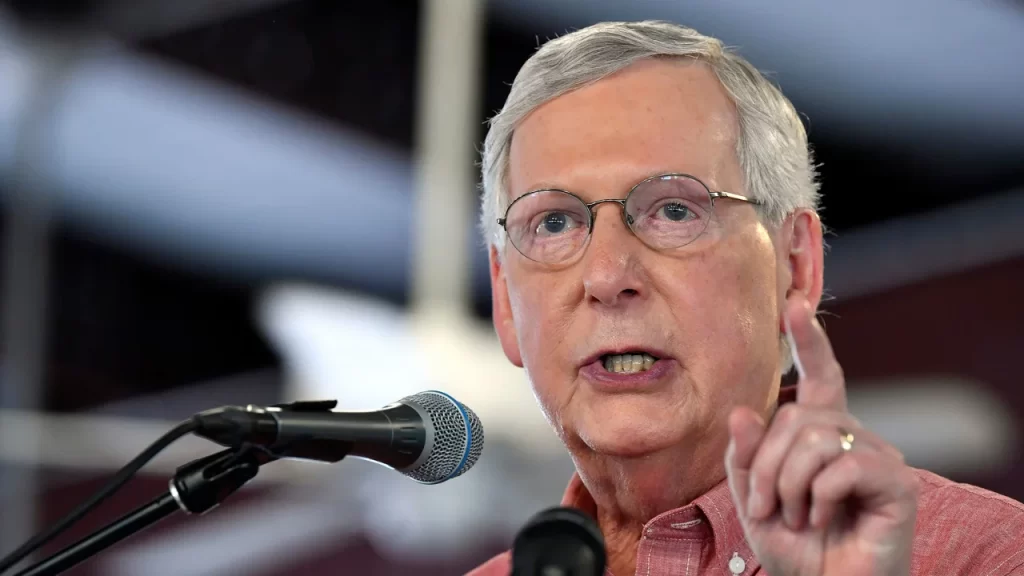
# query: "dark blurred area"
{"type": "Point", "coordinates": [228, 183]}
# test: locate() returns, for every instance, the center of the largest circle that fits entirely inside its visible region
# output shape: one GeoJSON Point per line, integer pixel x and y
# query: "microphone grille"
{"type": "Point", "coordinates": [458, 438]}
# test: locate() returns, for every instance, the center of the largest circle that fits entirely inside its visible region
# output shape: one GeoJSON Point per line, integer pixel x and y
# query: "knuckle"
{"type": "Point", "coordinates": [826, 433]}
{"type": "Point", "coordinates": [852, 464]}
{"type": "Point", "coordinates": [810, 437]}
{"type": "Point", "coordinates": [844, 470]}
{"type": "Point", "coordinates": [788, 414]}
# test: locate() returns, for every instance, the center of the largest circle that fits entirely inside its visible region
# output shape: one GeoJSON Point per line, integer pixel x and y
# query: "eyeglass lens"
{"type": "Point", "coordinates": [664, 212]}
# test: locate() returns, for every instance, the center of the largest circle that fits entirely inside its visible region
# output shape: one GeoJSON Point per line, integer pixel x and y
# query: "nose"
{"type": "Point", "coordinates": [611, 272]}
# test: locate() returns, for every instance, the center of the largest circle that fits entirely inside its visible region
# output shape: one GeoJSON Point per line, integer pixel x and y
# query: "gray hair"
{"type": "Point", "coordinates": [771, 146]}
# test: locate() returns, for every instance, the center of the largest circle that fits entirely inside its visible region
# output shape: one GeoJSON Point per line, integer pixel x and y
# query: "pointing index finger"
{"type": "Point", "coordinates": [821, 378]}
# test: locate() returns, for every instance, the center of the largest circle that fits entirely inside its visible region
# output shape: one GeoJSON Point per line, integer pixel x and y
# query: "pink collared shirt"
{"type": "Point", "coordinates": [961, 529]}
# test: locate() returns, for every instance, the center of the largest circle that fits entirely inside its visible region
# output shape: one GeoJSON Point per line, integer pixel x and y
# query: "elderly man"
{"type": "Point", "coordinates": [656, 262]}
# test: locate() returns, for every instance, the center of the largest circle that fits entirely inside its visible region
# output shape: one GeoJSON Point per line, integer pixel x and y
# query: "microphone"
{"type": "Point", "coordinates": [430, 437]}
{"type": "Point", "coordinates": [559, 542]}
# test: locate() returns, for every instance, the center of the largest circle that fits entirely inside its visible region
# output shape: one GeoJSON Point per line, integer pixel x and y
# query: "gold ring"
{"type": "Point", "coordinates": [845, 440]}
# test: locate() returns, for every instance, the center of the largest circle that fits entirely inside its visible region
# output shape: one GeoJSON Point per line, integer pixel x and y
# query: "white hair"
{"type": "Point", "coordinates": [771, 146]}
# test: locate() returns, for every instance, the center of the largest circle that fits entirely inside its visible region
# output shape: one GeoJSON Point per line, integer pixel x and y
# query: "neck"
{"type": "Point", "coordinates": [620, 541]}
{"type": "Point", "coordinates": [629, 493]}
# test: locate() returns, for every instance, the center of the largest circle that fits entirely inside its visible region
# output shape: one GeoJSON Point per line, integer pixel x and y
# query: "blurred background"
{"type": "Point", "coordinates": [253, 201]}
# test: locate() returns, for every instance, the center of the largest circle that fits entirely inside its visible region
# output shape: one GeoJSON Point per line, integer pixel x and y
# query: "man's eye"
{"type": "Point", "coordinates": [675, 212]}
{"type": "Point", "coordinates": [554, 223]}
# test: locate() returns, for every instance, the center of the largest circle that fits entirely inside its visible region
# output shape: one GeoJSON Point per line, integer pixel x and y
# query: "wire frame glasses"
{"type": "Point", "coordinates": [665, 212]}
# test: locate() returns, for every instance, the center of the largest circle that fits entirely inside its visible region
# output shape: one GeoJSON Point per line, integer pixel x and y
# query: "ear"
{"type": "Point", "coordinates": [501, 311]}
{"type": "Point", "coordinates": [802, 249]}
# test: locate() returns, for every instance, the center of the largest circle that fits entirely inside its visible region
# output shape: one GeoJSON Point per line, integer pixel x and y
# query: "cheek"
{"type": "Point", "coordinates": [732, 330]}
{"type": "Point", "coordinates": [753, 309]}
{"type": "Point", "coordinates": [752, 291]}
{"type": "Point", "coordinates": [541, 318]}
{"type": "Point", "coordinates": [541, 328]}
{"type": "Point", "coordinates": [755, 313]}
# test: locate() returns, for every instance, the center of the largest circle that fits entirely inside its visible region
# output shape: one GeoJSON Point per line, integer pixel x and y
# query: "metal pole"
{"type": "Point", "coordinates": [26, 265]}
{"type": "Point", "coordinates": [447, 124]}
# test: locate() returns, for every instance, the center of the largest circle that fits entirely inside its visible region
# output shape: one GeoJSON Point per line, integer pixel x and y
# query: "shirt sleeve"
{"type": "Point", "coordinates": [964, 530]}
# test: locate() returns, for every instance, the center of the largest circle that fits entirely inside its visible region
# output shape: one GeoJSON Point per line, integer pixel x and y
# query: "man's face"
{"type": "Point", "coordinates": [708, 312]}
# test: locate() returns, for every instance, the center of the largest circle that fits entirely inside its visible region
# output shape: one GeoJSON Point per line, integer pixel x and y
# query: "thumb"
{"type": "Point", "coordinates": [746, 429]}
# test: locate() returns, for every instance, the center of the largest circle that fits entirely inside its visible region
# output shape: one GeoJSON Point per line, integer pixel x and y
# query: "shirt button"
{"type": "Point", "coordinates": [736, 564]}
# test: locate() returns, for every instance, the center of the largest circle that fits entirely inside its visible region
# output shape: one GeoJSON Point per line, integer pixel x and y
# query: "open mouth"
{"type": "Point", "coordinates": [628, 363]}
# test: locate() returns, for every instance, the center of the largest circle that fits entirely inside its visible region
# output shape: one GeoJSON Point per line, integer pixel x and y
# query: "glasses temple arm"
{"type": "Point", "coordinates": [732, 196]}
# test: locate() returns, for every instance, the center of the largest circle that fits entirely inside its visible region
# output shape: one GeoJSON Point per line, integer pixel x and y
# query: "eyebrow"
{"type": "Point", "coordinates": [547, 185]}
{"type": "Point", "coordinates": [544, 186]}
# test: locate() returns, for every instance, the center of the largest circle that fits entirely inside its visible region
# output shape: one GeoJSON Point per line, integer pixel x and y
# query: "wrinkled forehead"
{"type": "Point", "coordinates": [654, 117]}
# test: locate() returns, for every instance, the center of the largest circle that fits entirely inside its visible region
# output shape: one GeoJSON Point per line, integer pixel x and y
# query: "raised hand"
{"type": "Point", "coordinates": [816, 493]}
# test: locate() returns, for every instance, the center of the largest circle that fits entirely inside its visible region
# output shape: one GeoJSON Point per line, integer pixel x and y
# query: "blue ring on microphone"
{"type": "Point", "coordinates": [469, 434]}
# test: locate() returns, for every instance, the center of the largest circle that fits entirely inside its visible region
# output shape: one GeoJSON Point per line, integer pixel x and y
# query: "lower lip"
{"type": "Point", "coordinates": [620, 382]}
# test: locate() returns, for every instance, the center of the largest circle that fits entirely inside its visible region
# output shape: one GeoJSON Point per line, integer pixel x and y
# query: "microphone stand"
{"type": "Point", "coordinates": [196, 488]}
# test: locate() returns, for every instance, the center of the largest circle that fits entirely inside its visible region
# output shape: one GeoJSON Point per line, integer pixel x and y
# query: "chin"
{"type": "Point", "coordinates": [629, 433]}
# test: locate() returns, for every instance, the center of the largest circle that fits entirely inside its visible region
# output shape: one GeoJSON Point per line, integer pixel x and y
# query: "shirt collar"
{"type": "Point", "coordinates": [715, 508]}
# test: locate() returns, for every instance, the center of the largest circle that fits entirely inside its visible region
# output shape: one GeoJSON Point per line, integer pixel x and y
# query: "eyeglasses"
{"type": "Point", "coordinates": [664, 212]}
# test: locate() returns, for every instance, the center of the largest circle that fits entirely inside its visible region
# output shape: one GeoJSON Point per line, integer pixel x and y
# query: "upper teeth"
{"type": "Point", "coordinates": [628, 363]}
